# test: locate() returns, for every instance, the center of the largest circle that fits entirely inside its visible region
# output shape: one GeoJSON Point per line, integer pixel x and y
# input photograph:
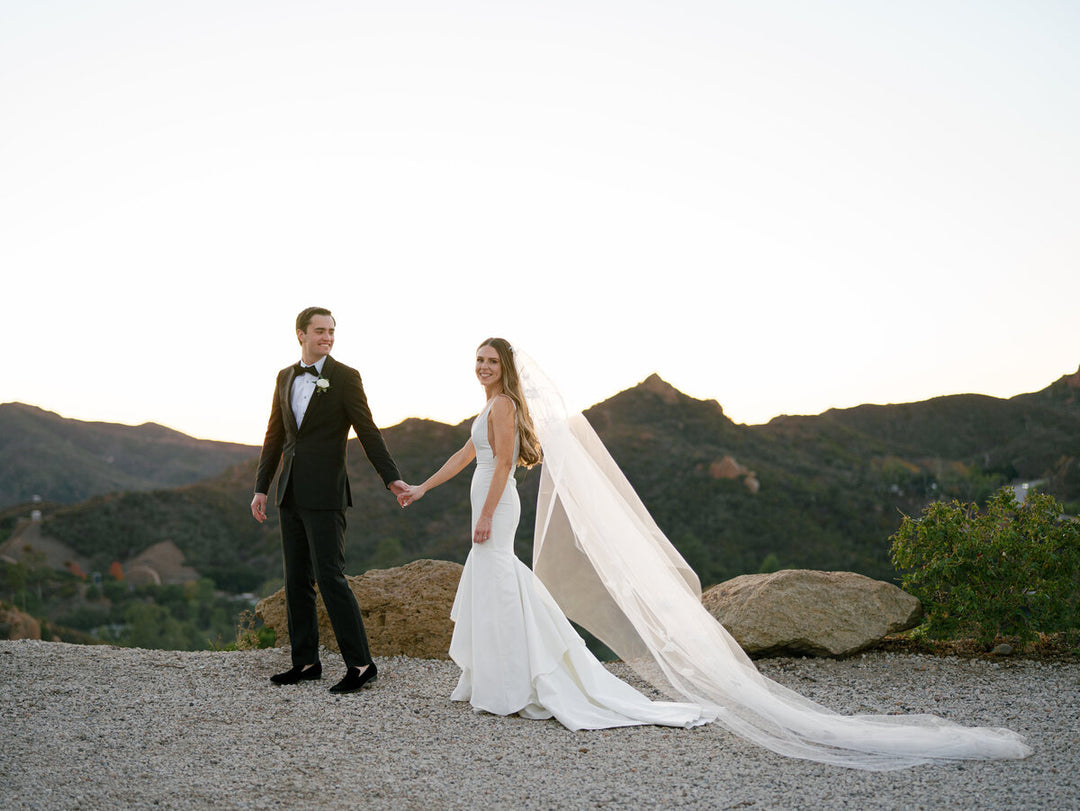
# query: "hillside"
{"type": "Point", "coordinates": [211, 523]}
{"type": "Point", "coordinates": [822, 491]}
{"type": "Point", "coordinates": [68, 461]}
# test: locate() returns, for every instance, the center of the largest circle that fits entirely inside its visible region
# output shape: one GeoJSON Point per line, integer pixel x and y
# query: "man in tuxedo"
{"type": "Point", "coordinates": [316, 402]}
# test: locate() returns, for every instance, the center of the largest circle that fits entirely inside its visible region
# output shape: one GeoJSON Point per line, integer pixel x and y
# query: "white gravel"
{"type": "Point", "coordinates": [103, 727]}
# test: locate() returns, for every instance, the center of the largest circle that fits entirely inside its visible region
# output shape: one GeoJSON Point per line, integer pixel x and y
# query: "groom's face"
{"type": "Point", "coordinates": [318, 339]}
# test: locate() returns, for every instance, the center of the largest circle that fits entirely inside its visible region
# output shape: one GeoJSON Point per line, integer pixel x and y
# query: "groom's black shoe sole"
{"type": "Point", "coordinates": [297, 674]}
{"type": "Point", "coordinates": [354, 680]}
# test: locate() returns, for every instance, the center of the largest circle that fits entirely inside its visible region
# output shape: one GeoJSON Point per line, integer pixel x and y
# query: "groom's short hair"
{"type": "Point", "coordinates": [306, 315]}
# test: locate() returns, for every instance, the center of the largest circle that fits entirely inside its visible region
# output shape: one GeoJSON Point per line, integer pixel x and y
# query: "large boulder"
{"type": "Point", "coordinates": [406, 610]}
{"type": "Point", "coordinates": [798, 611]}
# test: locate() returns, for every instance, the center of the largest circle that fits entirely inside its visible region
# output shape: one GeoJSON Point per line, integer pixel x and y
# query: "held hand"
{"type": "Point", "coordinates": [398, 487]}
{"type": "Point", "coordinates": [258, 507]}
{"type": "Point", "coordinates": [483, 529]}
{"type": "Point", "coordinates": [410, 495]}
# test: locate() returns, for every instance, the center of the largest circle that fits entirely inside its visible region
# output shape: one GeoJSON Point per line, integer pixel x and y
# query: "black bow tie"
{"type": "Point", "coordinates": [306, 369]}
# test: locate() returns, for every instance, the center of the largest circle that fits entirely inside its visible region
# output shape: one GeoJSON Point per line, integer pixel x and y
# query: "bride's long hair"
{"type": "Point", "coordinates": [529, 452]}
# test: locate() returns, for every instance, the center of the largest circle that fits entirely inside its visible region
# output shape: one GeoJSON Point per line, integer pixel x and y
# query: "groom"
{"type": "Point", "coordinates": [316, 402]}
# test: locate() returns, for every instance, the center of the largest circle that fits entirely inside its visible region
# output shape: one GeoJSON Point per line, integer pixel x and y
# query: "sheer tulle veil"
{"type": "Point", "coordinates": [612, 571]}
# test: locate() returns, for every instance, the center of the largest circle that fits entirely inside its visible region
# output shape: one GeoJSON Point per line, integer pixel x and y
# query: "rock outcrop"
{"type": "Point", "coordinates": [796, 611]}
{"type": "Point", "coordinates": [406, 610]}
{"type": "Point", "coordinates": [727, 468]}
{"type": "Point", "coordinates": [15, 624]}
{"type": "Point", "coordinates": [662, 389]}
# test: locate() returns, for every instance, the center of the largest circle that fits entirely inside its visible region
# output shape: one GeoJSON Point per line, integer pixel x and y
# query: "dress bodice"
{"type": "Point", "coordinates": [485, 455]}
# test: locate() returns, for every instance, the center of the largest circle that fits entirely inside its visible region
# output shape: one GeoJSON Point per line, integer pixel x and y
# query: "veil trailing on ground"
{"type": "Point", "coordinates": [612, 571]}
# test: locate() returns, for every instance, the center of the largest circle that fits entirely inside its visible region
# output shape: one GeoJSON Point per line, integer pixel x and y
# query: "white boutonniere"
{"type": "Point", "coordinates": [321, 385]}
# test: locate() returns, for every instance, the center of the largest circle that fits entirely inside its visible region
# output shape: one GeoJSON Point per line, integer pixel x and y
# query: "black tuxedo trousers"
{"type": "Point", "coordinates": [313, 551]}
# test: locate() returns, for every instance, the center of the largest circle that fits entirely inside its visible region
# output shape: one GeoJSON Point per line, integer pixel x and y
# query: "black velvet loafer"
{"type": "Point", "coordinates": [355, 679]}
{"type": "Point", "coordinates": [298, 673]}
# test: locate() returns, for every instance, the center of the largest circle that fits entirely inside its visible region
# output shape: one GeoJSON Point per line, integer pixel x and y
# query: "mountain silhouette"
{"type": "Point", "coordinates": [823, 491]}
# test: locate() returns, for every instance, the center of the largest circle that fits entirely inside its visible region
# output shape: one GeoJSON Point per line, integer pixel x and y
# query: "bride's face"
{"type": "Point", "coordinates": [488, 368]}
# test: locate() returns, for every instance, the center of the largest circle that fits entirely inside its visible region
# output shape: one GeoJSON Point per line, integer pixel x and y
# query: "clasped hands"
{"type": "Point", "coordinates": [407, 493]}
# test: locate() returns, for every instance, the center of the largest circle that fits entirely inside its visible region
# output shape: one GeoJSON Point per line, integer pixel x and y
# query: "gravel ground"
{"type": "Point", "coordinates": [103, 727]}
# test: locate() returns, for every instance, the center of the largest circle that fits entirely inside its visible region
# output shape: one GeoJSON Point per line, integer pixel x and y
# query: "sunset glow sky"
{"type": "Point", "coordinates": [783, 206]}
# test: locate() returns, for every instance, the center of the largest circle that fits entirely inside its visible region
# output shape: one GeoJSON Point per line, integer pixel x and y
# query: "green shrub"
{"type": "Point", "coordinates": [1012, 570]}
{"type": "Point", "coordinates": [251, 634]}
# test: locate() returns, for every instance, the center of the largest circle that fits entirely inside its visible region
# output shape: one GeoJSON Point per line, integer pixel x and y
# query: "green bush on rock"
{"type": "Point", "coordinates": [1011, 570]}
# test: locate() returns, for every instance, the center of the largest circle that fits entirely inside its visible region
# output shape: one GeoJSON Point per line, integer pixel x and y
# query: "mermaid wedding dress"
{"type": "Point", "coordinates": [516, 649]}
{"type": "Point", "coordinates": [601, 560]}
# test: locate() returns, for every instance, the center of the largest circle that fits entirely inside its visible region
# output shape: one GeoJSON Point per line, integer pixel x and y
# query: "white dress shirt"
{"type": "Point", "coordinates": [303, 388]}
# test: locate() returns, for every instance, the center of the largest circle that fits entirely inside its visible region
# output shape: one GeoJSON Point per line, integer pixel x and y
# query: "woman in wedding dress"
{"type": "Point", "coordinates": [600, 559]}
{"type": "Point", "coordinates": [517, 651]}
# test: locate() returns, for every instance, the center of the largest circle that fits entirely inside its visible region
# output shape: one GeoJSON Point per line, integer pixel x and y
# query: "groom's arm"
{"type": "Point", "coordinates": [273, 442]}
{"type": "Point", "coordinates": [359, 415]}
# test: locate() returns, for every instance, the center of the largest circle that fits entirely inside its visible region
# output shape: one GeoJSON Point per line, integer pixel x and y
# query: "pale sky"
{"type": "Point", "coordinates": [783, 206]}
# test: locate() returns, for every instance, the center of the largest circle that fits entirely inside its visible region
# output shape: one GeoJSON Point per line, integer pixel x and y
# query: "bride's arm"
{"type": "Point", "coordinates": [501, 428]}
{"type": "Point", "coordinates": [451, 467]}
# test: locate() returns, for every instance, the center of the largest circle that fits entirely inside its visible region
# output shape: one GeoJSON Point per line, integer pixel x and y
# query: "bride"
{"type": "Point", "coordinates": [600, 559]}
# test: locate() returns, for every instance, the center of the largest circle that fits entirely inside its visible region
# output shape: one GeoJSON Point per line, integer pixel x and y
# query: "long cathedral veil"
{"type": "Point", "coordinates": [612, 570]}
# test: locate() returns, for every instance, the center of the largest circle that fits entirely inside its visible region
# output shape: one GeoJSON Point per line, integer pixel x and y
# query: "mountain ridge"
{"type": "Point", "coordinates": [67, 460]}
{"type": "Point", "coordinates": [812, 491]}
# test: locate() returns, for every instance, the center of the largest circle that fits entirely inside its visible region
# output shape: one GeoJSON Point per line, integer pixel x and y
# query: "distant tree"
{"type": "Point", "coordinates": [770, 563]}
{"type": "Point", "coordinates": [151, 626]}
{"type": "Point", "coordinates": [25, 577]}
{"type": "Point", "coordinates": [14, 577]}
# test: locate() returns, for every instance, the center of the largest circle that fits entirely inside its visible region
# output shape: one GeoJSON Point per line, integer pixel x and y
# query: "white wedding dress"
{"type": "Point", "coordinates": [601, 560]}
{"type": "Point", "coordinates": [517, 651]}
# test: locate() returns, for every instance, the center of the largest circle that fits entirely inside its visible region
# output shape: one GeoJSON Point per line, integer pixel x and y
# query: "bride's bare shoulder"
{"type": "Point", "coordinates": [504, 402]}
{"type": "Point", "coordinates": [503, 408]}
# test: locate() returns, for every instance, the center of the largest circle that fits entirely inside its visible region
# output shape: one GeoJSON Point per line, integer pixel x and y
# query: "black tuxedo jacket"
{"type": "Point", "coordinates": [313, 456]}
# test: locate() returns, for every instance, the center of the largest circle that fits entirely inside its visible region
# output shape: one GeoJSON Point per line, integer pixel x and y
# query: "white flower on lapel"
{"type": "Point", "coordinates": [321, 385]}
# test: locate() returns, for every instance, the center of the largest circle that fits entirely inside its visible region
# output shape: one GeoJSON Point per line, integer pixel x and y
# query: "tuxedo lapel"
{"type": "Point", "coordinates": [286, 401]}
